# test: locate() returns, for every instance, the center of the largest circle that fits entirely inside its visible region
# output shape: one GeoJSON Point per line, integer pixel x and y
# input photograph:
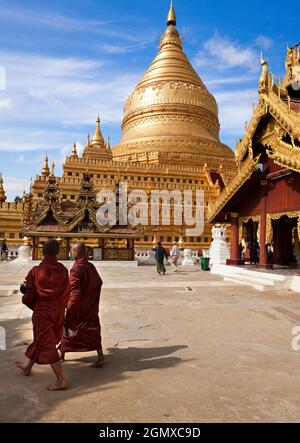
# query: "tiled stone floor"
{"type": "Point", "coordinates": [184, 347]}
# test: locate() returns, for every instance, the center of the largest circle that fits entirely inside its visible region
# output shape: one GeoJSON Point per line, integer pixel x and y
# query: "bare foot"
{"type": "Point", "coordinates": [24, 368]}
{"type": "Point", "coordinates": [57, 386]}
{"type": "Point", "coordinates": [62, 356]}
{"type": "Point", "coordinates": [99, 363]}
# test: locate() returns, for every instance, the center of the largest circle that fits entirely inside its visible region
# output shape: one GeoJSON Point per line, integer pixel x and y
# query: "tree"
{"type": "Point", "coordinates": [18, 199]}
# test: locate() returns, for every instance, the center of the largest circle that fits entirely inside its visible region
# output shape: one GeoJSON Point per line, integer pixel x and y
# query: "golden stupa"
{"type": "Point", "coordinates": [171, 115]}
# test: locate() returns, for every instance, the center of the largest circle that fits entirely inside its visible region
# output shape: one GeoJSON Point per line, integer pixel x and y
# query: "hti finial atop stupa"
{"type": "Point", "coordinates": [46, 170]}
{"type": "Point", "coordinates": [171, 16]}
{"type": "Point", "coordinates": [97, 138]}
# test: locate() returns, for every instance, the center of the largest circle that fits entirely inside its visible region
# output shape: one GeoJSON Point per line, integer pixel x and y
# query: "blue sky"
{"type": "Point", "coordinates": [67, 60]}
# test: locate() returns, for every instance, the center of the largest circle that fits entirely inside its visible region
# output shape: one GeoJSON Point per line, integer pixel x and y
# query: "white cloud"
{"type": "Point", "coordinates": [230, 80]}
{"type": "Point", "coordinates": [62, 93]}
{"type": "Point", "coordinates": [264, 42]}
{"type": "Point", "coordinates": [223, 53]}
{"type": "Point", "coordinates": [6, 104]}
{"type": "Point", "coordinates": [121, 49]}
{"type": "Point", "coordinates": [235, 108]}
{"type": "Point", "coordinates": [15, 186]}
{"type": "Point", "coordinates": [22, 160]}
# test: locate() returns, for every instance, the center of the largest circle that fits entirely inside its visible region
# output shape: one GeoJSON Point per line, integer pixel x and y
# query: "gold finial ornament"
{"type": "Point", "coordinates": [98, 138]}
{"type": "Point", "coordinates": [53, 168]}
{"type": "Point", "coordinates": [263, 79]}
{"type": "Point", "coordinates": [74, 151]}
{"type": "Point", "coordinates": [46, 170]}
{"type": "Point", "coordinates": [2, 192]}
{"type": "Point", "coordinates": [171, 16]}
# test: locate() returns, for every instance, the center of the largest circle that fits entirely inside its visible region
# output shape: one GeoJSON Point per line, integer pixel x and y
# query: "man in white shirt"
{"type": "Point", "coordinates": [174, 256]}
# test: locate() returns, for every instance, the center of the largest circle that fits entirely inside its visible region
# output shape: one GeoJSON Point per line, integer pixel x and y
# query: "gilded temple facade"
{"type": "Point", "coordinates": [170, 141]}
{"type": "Point", "coordinates": [262, 202]}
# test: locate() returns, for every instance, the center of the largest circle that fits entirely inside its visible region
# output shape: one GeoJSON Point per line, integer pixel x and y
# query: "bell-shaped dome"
{"type": "Point", "coordinates": [171, 109]}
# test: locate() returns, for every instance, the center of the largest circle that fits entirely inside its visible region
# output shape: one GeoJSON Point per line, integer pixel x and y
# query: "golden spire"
{"type": "Point", "coordinates": [171, 16]}
{"type": "Point", "coordinates": [98, 138]}
{"type": "Point", "coordinates": [46, 170]}
{"type": "Point", "coordinates": [53, 167]}
{"type": "Point", "coordinates": [2, 192]}
{"type": "Point", "coordinates": [171, 36]}
{"type": "Point", "coordinates": [108, 143]}
{"type": "Point", "coordinates": [74, 151]}
{"type": "Point", "coordinates": [263, 79]}
{"type": "Point", "coordinates": [88, 141]}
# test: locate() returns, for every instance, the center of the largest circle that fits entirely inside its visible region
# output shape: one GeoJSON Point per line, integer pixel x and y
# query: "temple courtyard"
{"type": "Point", "coordinates": [185, 347]}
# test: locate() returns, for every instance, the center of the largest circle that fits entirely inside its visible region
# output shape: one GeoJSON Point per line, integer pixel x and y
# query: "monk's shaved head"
{"type": "Point", "coordinates": [79, 249]}
{"type": "Point", "coordinates": [51, 248]}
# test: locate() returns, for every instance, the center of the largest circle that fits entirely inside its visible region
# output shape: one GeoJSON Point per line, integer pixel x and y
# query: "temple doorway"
{"type": "Point", "coordinates": [285, 242]}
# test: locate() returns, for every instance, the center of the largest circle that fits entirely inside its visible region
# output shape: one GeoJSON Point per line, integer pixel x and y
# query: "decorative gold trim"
{"type": "Point", "coordinates": [277, 216]}
{"type": "Point", "coordinates": [242, 220]}
{"type": "Point", "coordinates": [243, 174]}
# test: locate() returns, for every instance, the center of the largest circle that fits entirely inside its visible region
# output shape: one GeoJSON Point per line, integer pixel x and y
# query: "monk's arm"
{"type": "Point", "coordinates": [73, 305]}
{"type": "Point", "coordinates": [30, 295]}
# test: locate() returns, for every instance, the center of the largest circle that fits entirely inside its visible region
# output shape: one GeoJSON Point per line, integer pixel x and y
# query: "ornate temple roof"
{"type": "Point", "coordinates": [52, 216]}
{"type": "Point", "coordinates": [170, 103]}
{"type": "Point", "coordinates": [273, 132]}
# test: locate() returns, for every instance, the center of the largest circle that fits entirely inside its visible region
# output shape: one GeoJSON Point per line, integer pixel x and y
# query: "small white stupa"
{"type": "Point", "coordinates": [219, 250]}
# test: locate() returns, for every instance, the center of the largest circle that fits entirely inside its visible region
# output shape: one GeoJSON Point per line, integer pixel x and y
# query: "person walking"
{"type": "Point", "coordinates": [82, 315]}
{"type": "Point", "coordinates": [174, 256]}
{"type": "Point", "coordinates": [46, 292]}
{"type": "Point", "coordinates": [4, 250]}
{"type": "Point", "coordinates": [160, 255]}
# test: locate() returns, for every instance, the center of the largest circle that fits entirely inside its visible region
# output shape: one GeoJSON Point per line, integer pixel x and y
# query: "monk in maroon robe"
{"type": "Point", "coordinates": [47, 294]}
{"type": "Point", "coordinates": [82, 315]}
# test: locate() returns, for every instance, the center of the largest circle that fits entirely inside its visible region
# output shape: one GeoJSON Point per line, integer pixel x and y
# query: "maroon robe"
{"type": "Point", "coordinates": [82, 316]}
{"type": "Point", "coordinates": [47, 295]}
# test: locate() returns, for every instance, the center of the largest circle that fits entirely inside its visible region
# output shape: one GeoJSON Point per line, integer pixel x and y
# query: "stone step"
{"type": "Point", "coordinates": [254, 280]}
{"type": "Point", "coordinates": [257, 286]}
{"type": "Point", "coordinates": [260, 274]}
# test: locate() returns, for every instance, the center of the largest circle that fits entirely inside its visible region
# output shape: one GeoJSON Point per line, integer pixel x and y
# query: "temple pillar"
{"type": "Point", "coordinates": [235, 258]}
{"type": "Point", "coordinates": [68, 249]}
{"type": "Point", "coordinates": [33, 248]}
{"type": "Point", "coordinates": [263, 256]}
{"type": "Point", "coordinates": [249, 237]}
{"type": "Point", "coordinates": [277, 240]}
{"type": "Point", "coordinates": [130, 247]}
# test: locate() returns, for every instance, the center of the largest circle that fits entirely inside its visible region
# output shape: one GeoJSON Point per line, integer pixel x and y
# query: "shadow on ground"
{"type": "Point", "coordinates": [24, 399]}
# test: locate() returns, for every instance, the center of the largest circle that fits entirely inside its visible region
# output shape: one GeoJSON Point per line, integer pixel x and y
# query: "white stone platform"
{"type": "Point", "coordinates": [260, 280]}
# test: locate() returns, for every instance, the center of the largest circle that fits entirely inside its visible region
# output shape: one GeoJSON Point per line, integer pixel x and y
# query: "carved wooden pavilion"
{"type": "Point", "coordinates": [263, 200]}
{"type": "Point", "coordinates": [51, 217]}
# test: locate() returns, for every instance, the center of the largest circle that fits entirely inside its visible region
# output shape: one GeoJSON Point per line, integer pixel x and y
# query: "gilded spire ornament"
{"type": "Point", "coordinates": [46, 170]}
{"type": "Point", "coordinates": [53, 170]}
{"type": "Point", "coordinates": [171, 16]}
{"type": "Point", "coordinates": [2, 192]}
{"type": "Point", "coordinates": [108, 143]}
{"type": "Point", "coordinates": [98, 138]}
{"type": "Point", "coordinates": [74, 151]}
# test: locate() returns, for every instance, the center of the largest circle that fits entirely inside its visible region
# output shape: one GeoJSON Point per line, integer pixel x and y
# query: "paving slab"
{"type": "Point", "coordinates": [186, 347]}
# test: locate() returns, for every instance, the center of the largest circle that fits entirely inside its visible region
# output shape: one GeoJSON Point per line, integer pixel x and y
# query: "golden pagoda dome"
{"type": "Point", "coordinates": [170, 110]}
